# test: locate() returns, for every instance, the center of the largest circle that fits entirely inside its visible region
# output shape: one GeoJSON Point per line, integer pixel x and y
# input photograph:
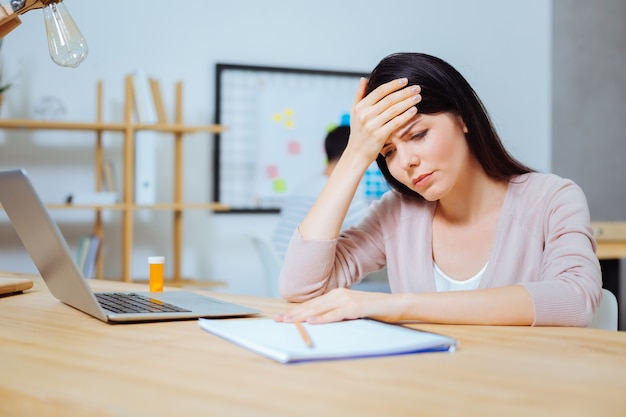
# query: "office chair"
{"type": "Point", "coordinates": [271, 263]}
{"type": "Point", "coordinates": [377, 281]}
{"type": "Point", "coordinates": [374, 282]}
{"type": "Point", "coordinates": [606, 315]}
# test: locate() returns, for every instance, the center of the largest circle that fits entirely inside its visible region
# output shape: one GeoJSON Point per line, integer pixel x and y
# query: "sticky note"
{"type": "Point", "coordinates": [280, 186]}
{"type": "Point", "coordinates": [293, 147]}
{"type": "Point", "coordinates": [272, 171]}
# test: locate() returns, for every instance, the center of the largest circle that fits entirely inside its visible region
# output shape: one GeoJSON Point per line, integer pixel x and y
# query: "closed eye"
{"type": "Point", "coordinates": [420, 135]}
{"type": "Point", "coordinates": [386, 153]}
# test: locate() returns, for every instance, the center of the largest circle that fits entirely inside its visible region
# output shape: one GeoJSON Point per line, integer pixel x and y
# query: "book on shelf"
{"type": "Point", "coordinates": [87, 254]}
{"type": "Point", "coordinates": [81, 252]}
{"type": "Point", "coordinates": [107, 176]}
{"type": "Point", "coordinates": [145, 141]}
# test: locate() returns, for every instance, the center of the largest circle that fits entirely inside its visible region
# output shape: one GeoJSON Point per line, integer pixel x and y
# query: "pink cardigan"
{"type": "Point", "coordinates": [543, 242]}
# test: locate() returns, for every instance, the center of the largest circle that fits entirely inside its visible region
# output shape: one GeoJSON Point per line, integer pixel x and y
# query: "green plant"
{"type": "Point", "coordinates": [4, 85]}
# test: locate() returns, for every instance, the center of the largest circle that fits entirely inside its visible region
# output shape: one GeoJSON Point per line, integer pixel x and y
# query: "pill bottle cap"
{"type": "Point", "coordinates": [156, 259]}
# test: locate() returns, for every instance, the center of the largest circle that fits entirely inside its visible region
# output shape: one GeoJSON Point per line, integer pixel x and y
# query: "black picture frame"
{"type": "Point", "coordinates": [241, 96]}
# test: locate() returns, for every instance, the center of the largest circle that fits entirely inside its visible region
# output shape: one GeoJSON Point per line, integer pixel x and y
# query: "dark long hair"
{"type": "Point", "coordinates": [445, 90]}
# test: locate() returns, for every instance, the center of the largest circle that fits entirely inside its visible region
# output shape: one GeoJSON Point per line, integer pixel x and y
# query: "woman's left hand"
{"type": "Point", "coordinates": [341, 304]}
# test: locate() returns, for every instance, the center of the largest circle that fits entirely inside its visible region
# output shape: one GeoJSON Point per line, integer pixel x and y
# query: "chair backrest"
{"type": "Point", "coordinates": [375, 282]}
{"type": "Point", "coordinates": [271, 263]}
{"type": "Point", "coordinates": [606, 315]}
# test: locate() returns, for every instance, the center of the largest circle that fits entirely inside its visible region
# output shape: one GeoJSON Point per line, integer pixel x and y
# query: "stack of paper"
{"type": "Point", "coordinates": [347, 339]}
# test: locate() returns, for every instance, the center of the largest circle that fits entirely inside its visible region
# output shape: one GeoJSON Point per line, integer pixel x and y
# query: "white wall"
{"type": "Point", "coordinates": [503, 48]}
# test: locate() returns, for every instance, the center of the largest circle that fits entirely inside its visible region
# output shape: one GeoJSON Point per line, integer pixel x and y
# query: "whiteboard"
{"type": "Point", "coordinates": [277, 120]}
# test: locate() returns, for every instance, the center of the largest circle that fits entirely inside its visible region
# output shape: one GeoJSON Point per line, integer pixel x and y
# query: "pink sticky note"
{"type": "Point", "coordinates": [272, 171]}
{"type": "Point", "coordinates": [293, 147]}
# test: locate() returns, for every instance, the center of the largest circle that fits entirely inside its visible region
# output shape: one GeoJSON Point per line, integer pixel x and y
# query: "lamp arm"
{"type": "Point", "coordinates": [23, 6]}
{"type": "Point", "coordinates": [66, 44]}
{"type": "Point", "coordinates": [8, 20]}
{"type": "Point", "coordinates": [9, 14]}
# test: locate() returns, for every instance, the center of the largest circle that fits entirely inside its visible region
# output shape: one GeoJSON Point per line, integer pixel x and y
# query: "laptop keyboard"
{"type": "Point", "coordinates": [135, 303]}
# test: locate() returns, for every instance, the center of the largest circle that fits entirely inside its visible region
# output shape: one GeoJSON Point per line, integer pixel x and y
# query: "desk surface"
{"type": "Point", "coordinates": [57, 361]}
{"type": "Point", "coordinates": [611, 250]}
{"type": "Point", "coordinates": [611, 239]}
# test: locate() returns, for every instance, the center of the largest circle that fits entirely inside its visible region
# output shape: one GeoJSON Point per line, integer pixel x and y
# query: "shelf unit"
{"type": "Point", "coordinates": [127, 205]}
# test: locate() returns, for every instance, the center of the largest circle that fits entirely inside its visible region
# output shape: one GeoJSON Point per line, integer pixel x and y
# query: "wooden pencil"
{"type": "Point", "coordinates": [304, 334]}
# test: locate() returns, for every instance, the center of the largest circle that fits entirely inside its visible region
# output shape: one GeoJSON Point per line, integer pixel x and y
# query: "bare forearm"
{"type": "Point", "coordinates": [372, 120]}
{"type": "Point", "coordinates": [510, 305]}
{"type": "Point", "coordinates": [324, 220]}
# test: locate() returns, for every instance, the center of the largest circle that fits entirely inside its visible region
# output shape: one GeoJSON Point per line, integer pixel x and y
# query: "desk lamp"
{"type": "Point", "coordinates": [66, 43]}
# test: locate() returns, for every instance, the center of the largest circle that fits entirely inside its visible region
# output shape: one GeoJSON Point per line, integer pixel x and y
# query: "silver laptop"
{"type": "Point", "coordinates": [52, 257]}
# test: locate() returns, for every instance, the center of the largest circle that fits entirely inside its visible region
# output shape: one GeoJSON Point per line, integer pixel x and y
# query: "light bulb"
{"type": "Point", "coordinates": [66, 44]}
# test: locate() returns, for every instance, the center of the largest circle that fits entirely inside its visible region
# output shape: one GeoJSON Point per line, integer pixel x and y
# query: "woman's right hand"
{"type": "Point", "coordinates": [373, 118]}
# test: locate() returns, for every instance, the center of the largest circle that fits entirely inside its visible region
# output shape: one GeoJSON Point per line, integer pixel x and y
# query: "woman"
{"type": "Point", "coordinates": [469, 235]}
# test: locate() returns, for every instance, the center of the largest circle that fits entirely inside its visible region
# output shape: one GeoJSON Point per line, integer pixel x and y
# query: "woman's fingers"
{"type": "Point", "coordinates": [381, 98]}
{"type": "Point", "coordinates": [394, 105]}
{"type": "Point", "coordinates": [311, 308]}
{"type": "Point", "coordinates": [377, 110]}
{"type": "Point", "coordinates": [388, 94]}
{"type": "Point", "coordinates": [360, 92]}
{"type": "Point", "coordinates": [374, 117]}
{"type": "Point", "coordinates": [307, 310]}
{"type": "Point", "coordinates": [395, 116]}
{"type": "Point", "coordinates": [384, 90]}
{"type": "Point", "coordinates": [339, 304]}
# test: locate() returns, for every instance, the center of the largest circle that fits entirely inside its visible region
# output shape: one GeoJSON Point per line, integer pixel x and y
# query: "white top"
{"type": "Point", "coordinates": [445, 283]}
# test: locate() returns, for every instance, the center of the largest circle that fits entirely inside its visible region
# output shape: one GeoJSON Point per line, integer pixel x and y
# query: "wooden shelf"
{"type": "Point", "coordinates": [180, 128]}
{"type": "Point", "coordinates": [157, 206]}
{"type": "Point", "coordinates": [27, 124]}
{"type": "Point", "coordinates": [127, 205]}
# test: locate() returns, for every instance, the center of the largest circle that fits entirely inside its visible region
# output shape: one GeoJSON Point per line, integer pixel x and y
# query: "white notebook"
{"type": "Point", "coordinates": [347, 339]}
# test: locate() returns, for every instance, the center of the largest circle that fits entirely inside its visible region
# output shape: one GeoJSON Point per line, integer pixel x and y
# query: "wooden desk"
{"type": "Point", "coordinates": [56, 361]}
{"type": "Point", "coordinates": [611, 239]}
{"type": "Point", "coordinates": [611, 250]}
